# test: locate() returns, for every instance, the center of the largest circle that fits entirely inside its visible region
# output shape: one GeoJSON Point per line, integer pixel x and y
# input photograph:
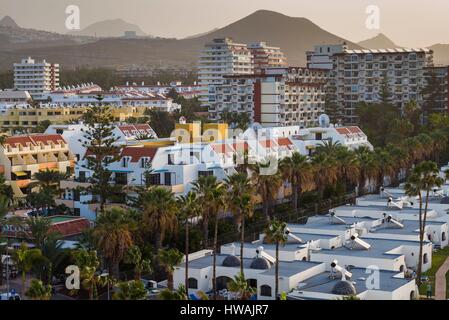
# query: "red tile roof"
{"type": "Point", "coordinates": [268, 143]}
{"type": "Point", "coordinates": [70, 227]}
{"type": "Point", "coordinates": [35, 140]}
{"type": "Point", "coordinates": [137, 153]}
{"type": "Point", "coordinates": [284, 142]}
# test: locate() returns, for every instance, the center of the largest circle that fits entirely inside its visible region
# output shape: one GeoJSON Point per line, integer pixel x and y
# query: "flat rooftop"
{"type": "Point", "coordinates": [323, 283]}
{"type": "Point", "coordinates": [286, 269]}
{"type": "Point", "coordinates": [379, 248]}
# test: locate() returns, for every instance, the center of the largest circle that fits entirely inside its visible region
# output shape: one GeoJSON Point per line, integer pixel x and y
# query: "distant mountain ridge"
{"type": "Point", "coordinates": [109, 28]}
{"type": "Point", "coordinates": [8, 22]}
{"type": "Point", "coordinates": [379, 41]}
{"type": "Point", "coordinates": [294, 35]}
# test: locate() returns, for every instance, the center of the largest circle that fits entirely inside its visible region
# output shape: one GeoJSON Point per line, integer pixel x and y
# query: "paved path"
{"type": "Point", "coordinates": [440, 281]}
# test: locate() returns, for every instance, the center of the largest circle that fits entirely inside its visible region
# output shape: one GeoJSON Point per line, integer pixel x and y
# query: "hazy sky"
{"type": "Point", "coordinates": [407, 22]}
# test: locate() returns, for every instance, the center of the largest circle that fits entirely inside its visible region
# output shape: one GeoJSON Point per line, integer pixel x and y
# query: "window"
{"type": "Point", "coordinates": [265, 291]}
{"type": "Point", "coordinates": [82, 176]}
{"type": "Point", "coordinates": [443, 236]}
{"type": "Point", "coordinates": [167, 178]}
{"type": "Point", "coordinates": [154, 179]}
{"type": "Point", "coordinates": [193, 283]}
{"type": "Point", "coordinates": [205, 173]}
{"type": "Point", "coordinates": [121, 178]}
{"type": "Point", "coordinates": [425, 258]}
{"type": "Point", "coordinates": [125, 162]}
{"type": "Point", "coordinates": [145, 162]}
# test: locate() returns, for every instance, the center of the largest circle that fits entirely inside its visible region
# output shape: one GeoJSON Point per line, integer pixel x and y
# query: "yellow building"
{"type": "Point", "coordinates": [30, 117]}
{"type": "Point", "coordinates": [22, 156]}
{"type": "Point", "coordinates": [191, 132]}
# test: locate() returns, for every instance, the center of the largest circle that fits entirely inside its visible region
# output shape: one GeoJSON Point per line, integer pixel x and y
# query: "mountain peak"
{"type": "Point", "coordinates": [378, 42]}
{"type": "Point", "coordinates": [7, 21]}
{"type": "Point", "coordinates": [110, 28]}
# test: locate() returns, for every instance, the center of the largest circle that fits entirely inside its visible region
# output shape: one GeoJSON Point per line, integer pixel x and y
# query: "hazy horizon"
{"type": "Point", "coordinates": [409, 23]}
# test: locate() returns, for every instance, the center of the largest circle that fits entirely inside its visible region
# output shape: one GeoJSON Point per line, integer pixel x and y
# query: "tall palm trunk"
{"type": "Point", "coordinates": [116, 268]}
{"type": "Point", "coordinates": [276, 272]}
{"type": "Point", "coordinates": [214, 271]}
{"type": "Point", "coordinates": [421, 239]}
{"type": "Point", "coordinates": [206, 229]}
{"type": "Point", "coordinates": [170, 280]}
{"type": "Point", "coordinates": [23, 283]}
{"type": "Point", "coordinates": [295, 188]}
{"type": "Point", "coordinates": [242, 241]}
{"type": "Point", "coordinates": [186, 283]}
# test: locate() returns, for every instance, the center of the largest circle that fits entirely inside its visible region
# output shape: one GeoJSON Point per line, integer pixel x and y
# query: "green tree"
{"type": "Point", "coordinates": [266, 184]}
{"type": "Point", "coordinates": [99, 141]}
{"type": "Point", "coordinates": [159, 213]}
{"type": "Point", "coordinates": [42, 126]}
{"type": "Point", "coordinates": [113, 233]}
{"type": "Point", "coordinates": [38, 291]}
{"type": "Point", "coordinates": [189, 208]}
{"type": "Point", "coordinates": [298, 171]}
{"type": "Point", "coordinates": [39, 228]}
{"type": "Point", "coordinates": [276, 233]}
{"type": "Point", "coordinates": [241, 288]}
{"type": "Point", "coordinates": [433, 94]}
{"type": "Point", "coordinates": [134, 257]}
{"type": "Point", "coordinates": [240, 202]}
{"type": "Point", "coordinates": [424, 177]}
{"type": "Point", "coordinates": [169, 259]}
{"type": "Point", "coordinates": [25, 259]}
{"type": "Point", "coordinates": [130, 290]}
{"type": "Point", "coordinates": [87, 262]}
{"type": "Point", "coordinates": [180, 294]}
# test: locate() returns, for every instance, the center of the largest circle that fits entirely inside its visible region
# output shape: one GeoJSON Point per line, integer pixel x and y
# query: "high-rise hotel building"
{"type": "Point", "coordinates": [221, 57]}
{"type": "Point", "coordinates": [265, 56]}
{"type": "Point", "coordinates": [36, 77]}
{"type": "Point", "coordinates": [275, 97]}
{"type": "Point", "coordinates": [224, 57]}
{"type": "Point", "coordinates": [356, 75]}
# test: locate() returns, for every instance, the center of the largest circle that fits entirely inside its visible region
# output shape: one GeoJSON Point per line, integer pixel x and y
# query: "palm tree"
{"type": "Point", "coordinates": [130, 290]}
{"type": "Point", "coordinates": [368, 166]}
{"type": "Point", "coordinates": [134, 257]}
{"type": "Point", "coordinates": [240, 286]}
{"type": "Point", "coordinates": [266, 184]}
{"type": "Point", "coordinates": [169, 259]}
{"type": "Point", "coordinates": [189, 209]}
{"type": "Point", "coordinates": [298, 171]}
{"type": "Point", "coordinates": [159, 213]}
{"type": "Point", "coordinates": [240, 202]}
{"type": "Point", "coordinates": [348, 165]}
{"type": "Point", "coordinates": [325, 171]}
{"type": "Point", "coordinates": [275, 233]}
{"type": "Point", "coordinates": [113, 235]}
{"type": "Point", "coordinates": [87, 262]}
{"type": "Point", "coordinates": [53, 252]}
{"type": "Point", "coordinates": [180, 294]}
{"type": "Point", "coordinates": [49, 179]}
{"type": "Point", "coordinates": [38, 291]}
{"type": "Point", "coordinates": [385, 164]}
{"type": "Point", "coordinates": [424, 177]}
{"type": "Point", "coordinates": [25, 259]}
{"type": "Point", "coordinates": [211, 194]}
{"type": "Point", "coordinates": [39, 228]}
{"type": "Point", "coordinates": [205, 188]}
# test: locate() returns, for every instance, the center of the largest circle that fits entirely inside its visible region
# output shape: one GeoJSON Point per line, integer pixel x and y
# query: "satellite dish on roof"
{"type": "Point", "coordinates": [324, 120]}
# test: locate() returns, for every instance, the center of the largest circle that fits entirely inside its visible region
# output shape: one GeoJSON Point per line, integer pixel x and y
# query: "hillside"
{"type": "Point", "coordinates": [293, 35]}
{"type": "Point", "coordinates": [109, 28]}
{"type": "Point", "coordinates": [379, 41]}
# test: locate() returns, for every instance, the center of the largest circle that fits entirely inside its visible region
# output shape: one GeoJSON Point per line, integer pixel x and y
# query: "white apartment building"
{"type": "Point", "coordinates": [36, 77]}
{"type": "Point", "coordinates": [10, 98]}
{"type": "Point", "coordinates": [275, 98]}
{"type": "Point", "coordinates": [265, 56]}
{"type": "Point", "coordinates": [221, 57]}
{"type": "Point", "coordinates": [356, 75]}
